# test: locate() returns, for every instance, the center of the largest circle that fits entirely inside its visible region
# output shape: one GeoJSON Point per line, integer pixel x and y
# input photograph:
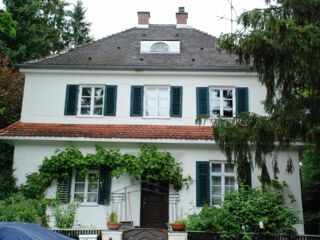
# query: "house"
{"type": "Point", "coordinates": [147, 84]}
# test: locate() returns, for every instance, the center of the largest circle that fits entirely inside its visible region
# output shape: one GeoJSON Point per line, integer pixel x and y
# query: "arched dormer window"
{"type": "Point", "coordinates": [159, 47]}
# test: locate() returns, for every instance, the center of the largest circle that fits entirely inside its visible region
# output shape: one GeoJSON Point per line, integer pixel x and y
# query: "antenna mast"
{"type": "Point", "coordinates": [232, 10]}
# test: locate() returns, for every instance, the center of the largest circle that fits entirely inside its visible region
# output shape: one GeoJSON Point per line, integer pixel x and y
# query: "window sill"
{"type": "Point", "coordinates": [154, 117]}
{"type": "Point", "coordinates": [88, 205]}
{"type": "Point", "coordinates": [88, 116]}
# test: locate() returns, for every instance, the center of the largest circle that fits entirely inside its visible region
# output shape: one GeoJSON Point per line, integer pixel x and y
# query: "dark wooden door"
{"type": "Point", "coordinates": [154, 205]}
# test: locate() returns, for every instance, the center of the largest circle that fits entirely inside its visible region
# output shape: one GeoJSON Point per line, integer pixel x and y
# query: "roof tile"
{"type": "Point", "coordinates": [20, 129]}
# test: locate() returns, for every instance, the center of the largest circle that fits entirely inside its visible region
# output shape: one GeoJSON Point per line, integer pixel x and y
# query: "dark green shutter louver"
{"type": "Point", "coordinates": [248, 174]}
{"type": "Point", "coordinates": [176, 102]}
{"type": "Point", "coordinates": [104, 185]}
{"type": "Point", "coordinates": [71, 102]}
{"type": "Point", "coordinates": [64, 189]}
{"type": "Point", "coordinates": [202, 101]}
{"type": "Point", "coordinates": [136, 108]}
{"type": "Point", "coordinates": [242, 100]}
{"type": "Point", "coordinates": [203, 183]}
{"type": "Point", "coordinates": [110, 100]}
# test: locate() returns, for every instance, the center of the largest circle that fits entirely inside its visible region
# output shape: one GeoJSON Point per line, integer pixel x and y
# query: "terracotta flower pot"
{"type": "Point", "coordinates": [113, 226]}
{"type": "Point", "coordinates": [178, 226]}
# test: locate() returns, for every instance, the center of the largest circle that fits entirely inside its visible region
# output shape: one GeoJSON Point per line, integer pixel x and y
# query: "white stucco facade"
{"type": "Point", "coordinates": [44, 102]}
{"type": "Point", "coordinates": [44, 93]}
{"type": "Point", "coordinates": [30, 154]}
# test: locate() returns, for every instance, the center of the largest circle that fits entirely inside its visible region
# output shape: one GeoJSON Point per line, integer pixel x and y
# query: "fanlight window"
{"type": "Point", "coordinates": [159, 47]}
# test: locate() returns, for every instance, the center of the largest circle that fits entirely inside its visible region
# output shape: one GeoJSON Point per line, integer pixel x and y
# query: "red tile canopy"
{"type": "Point", "coordinates": [20, 129]}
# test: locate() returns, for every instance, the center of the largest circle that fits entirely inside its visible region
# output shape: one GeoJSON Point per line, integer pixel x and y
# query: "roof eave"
{"type": "Point", "coordinates": [138, 68]}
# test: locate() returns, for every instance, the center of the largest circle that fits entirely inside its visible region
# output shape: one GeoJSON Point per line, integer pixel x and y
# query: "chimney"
{"type": "Point", "coordinates": [182, 17]}
{"type": "Point", "coordinates": [143, 19]}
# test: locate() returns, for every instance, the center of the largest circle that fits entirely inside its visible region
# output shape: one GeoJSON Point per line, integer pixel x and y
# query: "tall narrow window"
{"type": "Point", "coordinates": [222, 102]}
{"type": "Point", "coordinates": [85, 188]}
{"type": "Point", "coordinates": [156, 102]}
{"type": "Point", "coordinates": [91, 101]}
{"type": "Point", "coordinates": [222, 181]}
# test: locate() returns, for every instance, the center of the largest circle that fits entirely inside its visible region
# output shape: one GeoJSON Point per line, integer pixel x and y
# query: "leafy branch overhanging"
{"type": "Point", "coordinates": [151, 163]}
{"type": "Point", "coordinates": [239, 137]}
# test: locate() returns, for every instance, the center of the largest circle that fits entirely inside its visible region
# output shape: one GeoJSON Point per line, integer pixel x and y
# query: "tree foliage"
{"type": "Point", "coordinates": [7, 25]}
{"type": "Point", "coordinates": [310, 173]}
{"type": "Point", "coordinates": [79, 27]}
{"type": "Point", "coordinates": [242, 211]}
{"type": "Point", "coordinates": [282, 43]}
{"type": "Point", "coordinates": [44, 27]}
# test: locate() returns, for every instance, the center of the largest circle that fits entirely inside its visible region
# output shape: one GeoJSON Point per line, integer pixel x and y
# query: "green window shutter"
{"type": "Point", "coordinates": [110, 100]}
{"type": "Point", "coordinates": [64, 189]}
{"type": "Point", "coordinates": [242, 100]}
{"type": "Point", "coordinates": [71, 102]}
{"type": "Point", "coordinates": [104, 185]}
{"type": "Point", "coordinates": [202, 101]}
{"type": "Point", "coordinates": [136, 108]}
{"type": "Point", "coordinates": [203, 183]}
{"type": "Point", "coordinates": [176, 102]}
{"type": "Point", "coordinates": [248, 174]}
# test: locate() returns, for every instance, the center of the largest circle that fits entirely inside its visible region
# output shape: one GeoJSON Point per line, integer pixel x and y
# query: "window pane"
{"type": "Point", "coordinates": [229, 188]}
{"type": "Point", "coordinates": [97, 111]}
{"type": "Point", "coordinates": [216, 167]}
{"type": "Point", "coordinates": [92, 197]}
{"type": "Point", "coordinates": [80, 178]}
{"type": "Point", "coordinates": [79, 197]}
{"type": "Point", "coordinates": [98, 100]}
{"type": "Point", "coordinates": [227, 94]}
{"type": "Point", "coordinates": [98, 92]}
{"type": "Point", "coordinates": [216, 200]}
{"type": "Point", "coordinates": [229, 168]}
{"type": "Point", "coordinates": [228, 113]}
{"type": "Point", "coordinates": [216, 180]}
{"type": "Point", "coordinates": [79, 187]}
{"type": "Point", "coordinates": [216, 93]}
{"type": "Point", "coordinates": [229, 181]}
{"type": "Point", "coordinates": [85, 111]}
{"type": "Point", "coordinates": [85, 101]}
{"type": "Point", "coordinates": [227, 104]}
{"type": "Point", "coordinates": [86, 91]}
{"type": "Point", "coordinates": [216, 190]}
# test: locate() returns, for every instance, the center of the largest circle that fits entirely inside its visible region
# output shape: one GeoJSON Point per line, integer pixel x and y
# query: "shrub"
{"type": "Point", "coordinates": [241, 213]}
{"type": "Point", "coordinates": [20, 209]}
{"type": "Point", "coordinates": [65, 214]}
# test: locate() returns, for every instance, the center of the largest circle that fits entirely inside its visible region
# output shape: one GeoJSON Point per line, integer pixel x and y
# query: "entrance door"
{"type": "Point", "coordinates": [154, 205]}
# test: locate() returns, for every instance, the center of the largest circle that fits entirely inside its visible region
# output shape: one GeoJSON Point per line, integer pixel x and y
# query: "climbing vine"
{"type": "Point", "coordinates": [246, 133]}
{"type": "Point", "coordinates": [150, 164]}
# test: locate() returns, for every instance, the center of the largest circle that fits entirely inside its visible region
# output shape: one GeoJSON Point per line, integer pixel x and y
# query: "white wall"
{"type": "Point", "coordinates": [44, 94]}
{"type": "Point", "coordinates": [28, 155]}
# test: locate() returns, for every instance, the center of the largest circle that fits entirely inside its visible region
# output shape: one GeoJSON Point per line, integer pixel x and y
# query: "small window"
{"type": "Point", "coordinates": [222, 102]}
{"type": "Point", "coordinates": [222, 181]}
{"type": "Point", "coordinates": [91, 101]}
{"type": "Point", "coordinates": [85, 188]}
{"type": "Point", "coordinates": [159, 47]}
{"type": "Point", "coordinates": [156, 101]}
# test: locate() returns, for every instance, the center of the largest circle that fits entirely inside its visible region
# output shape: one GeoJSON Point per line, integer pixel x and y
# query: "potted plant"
{"type": "Point", "coordinates": [113, 221]}
{"type": "Point", "coordinates": [179, 225]}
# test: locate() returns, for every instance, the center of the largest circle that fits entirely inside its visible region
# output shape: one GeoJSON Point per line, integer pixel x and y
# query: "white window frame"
{"type": "Point", "coordinates": [157, 105]}
{"type": "Point", "coordinates": [73, 184]}
{"type": "Point", "coordinates": [223, 174]}
{"type": "Point", "coordinates": [221, 100]}
{"type": "Point", "coordinates": [92, 100]}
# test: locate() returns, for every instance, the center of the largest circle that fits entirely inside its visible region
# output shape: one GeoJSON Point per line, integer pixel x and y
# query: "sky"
{"type": "Point", "coordinates": [112, 16]}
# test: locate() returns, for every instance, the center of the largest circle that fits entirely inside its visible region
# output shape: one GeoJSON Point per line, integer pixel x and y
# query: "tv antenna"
{"type": "Point", "coordinates": [231, 19]}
